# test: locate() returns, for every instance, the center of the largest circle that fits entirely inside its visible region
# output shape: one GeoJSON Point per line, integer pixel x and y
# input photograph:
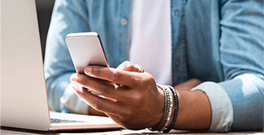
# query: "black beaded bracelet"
{"type": "Point", "coordinates": [175, 111]}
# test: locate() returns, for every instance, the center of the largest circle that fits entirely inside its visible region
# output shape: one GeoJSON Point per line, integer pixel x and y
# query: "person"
{"type": "Point", "coordinates": [212, 52]}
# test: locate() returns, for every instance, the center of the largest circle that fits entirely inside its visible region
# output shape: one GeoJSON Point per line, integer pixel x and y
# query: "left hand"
{"type": "Point", "coordinates": [188, 85]}
{"type": "Point", "coordinates": [135, 104]}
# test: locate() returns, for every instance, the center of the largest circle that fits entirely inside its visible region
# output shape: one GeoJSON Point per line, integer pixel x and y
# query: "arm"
{"type": "Point", "coordinates": [183, 90]}
{"type": "Point", "coordinates": [194, 111]}
{"type": "Point", "coordinates": [137, 103]}
{"type": "Point", "coordinates": [242, 57]}
{"type": "Point", "coordinates": [241, 54]}
{"type": "Point", "coordinates": [188, 85]}
{"type": "Point", "coordinates": [67, 16]}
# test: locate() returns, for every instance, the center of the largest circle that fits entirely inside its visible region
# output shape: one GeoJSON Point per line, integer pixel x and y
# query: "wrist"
{"type": "Point", "coordinates": [169, 113]}
{"type": "Point", "coordinates": [160, 108]}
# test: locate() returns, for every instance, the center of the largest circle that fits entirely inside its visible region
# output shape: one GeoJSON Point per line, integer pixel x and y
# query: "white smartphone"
{"type": "Point", "coordinates": [86, 49]}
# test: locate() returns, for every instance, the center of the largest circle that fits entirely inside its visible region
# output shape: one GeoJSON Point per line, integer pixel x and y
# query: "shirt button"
{"type": "Point", "coordinates": [177, 63]}
{"type": "Point", "coordinates": [124, 21]}
{"type": "Point", "coordinates": [176, 14]}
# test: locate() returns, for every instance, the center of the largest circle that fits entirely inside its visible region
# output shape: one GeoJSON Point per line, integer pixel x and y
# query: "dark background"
{"type": "Point", "coordinates": [44, 11]}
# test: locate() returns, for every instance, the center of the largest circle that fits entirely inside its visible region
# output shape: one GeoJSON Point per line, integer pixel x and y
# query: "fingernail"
{"type": "Point", "coordinates": [73, 78]}
{"type": "Point", "coordinates": [76, 87]}
{"type": "Point", "coordinates": [88, 71]}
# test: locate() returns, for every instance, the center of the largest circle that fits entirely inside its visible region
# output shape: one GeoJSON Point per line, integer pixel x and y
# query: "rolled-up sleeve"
{"type": "Point", "coordinates": [237, 101]}
{"type": "Point", "coordinates": [67, 17]}
{"type": "Point", "coordinates": [221, 106]}
{"type": "Point", "coordinates": [246, 94]}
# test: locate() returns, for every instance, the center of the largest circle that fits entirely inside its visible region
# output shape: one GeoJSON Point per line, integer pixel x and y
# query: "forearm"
{"type": "Point", "coordinates": [194, 111]}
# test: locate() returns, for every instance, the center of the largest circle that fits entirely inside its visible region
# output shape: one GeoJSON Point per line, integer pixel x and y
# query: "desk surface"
{"type": "Point", "coordinates": [12, 131]}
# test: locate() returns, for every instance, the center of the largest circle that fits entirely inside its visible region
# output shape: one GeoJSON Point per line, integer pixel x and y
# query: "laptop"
{"type": "Point", "coordinates": [23, 90]}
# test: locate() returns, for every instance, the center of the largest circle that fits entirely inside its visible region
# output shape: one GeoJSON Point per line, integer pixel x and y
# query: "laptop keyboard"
{"type": "Point", "coordinates": [52, 120]}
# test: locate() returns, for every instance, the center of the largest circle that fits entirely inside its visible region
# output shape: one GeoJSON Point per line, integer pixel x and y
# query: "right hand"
{"type": "Point", "coordinates": [126, 66]}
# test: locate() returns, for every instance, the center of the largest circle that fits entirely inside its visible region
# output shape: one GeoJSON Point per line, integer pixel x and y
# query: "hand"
{"type": "Point", "coordinates": [135, 104]}
{"type": "Point", "coordinates": [126, 66]}
{"type": "Point", "coordinates": [188, 85]}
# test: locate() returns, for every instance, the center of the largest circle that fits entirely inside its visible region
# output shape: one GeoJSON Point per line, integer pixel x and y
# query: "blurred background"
{"type": "Point", "coordinates": [44, 11]}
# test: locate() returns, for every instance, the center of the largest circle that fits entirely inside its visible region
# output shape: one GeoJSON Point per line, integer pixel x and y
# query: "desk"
{"type": "Point", "coordinates": [12, 131]}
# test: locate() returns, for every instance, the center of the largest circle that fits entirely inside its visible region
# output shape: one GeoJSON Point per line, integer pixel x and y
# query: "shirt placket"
{"type": "Point", "coordinates": [179, 60]}
{"type": "Point", "coordinates": [124, 17]}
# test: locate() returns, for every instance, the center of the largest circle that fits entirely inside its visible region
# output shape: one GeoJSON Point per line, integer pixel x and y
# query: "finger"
{"type": "Point", "coordinates": [126, 66]}
{"type": "Point", "coordinates": [99, 86]}
{"type": "Point", "coordinates": [129, 66]}
{"type": "Point", "coordinates": [140, 68]}
{"type": "Point", "coordinates": [98, 103]}
{"type": "Point", "coordinates": [113, 75]}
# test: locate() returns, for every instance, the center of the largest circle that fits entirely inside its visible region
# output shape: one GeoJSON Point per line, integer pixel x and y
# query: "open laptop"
{"type": "Point", "coordinates": [23, 91]}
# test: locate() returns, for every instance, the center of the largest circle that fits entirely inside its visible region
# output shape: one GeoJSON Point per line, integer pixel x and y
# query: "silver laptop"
{"type": "Point", "coordinates": [23, 91]}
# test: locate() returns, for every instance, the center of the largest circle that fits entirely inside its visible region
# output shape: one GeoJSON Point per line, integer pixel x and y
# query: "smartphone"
{"type": "Point", "coordinates": [86, 49]}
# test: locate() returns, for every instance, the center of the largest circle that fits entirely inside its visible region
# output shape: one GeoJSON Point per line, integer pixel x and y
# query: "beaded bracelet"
{"type": "Point", "coordinates": [169, 110]}
{"type": "Point", "coordinates": [175, 111]}
{"type": "Point", "coordinates": [168, 104]}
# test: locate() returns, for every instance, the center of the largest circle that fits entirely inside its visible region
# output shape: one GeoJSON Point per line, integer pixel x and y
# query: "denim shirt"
{"type": "Point", "coordinates": [217, 41]}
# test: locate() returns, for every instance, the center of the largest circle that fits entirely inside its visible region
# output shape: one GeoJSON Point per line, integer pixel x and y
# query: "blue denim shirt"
{"type": "Point", "coordinates": [217, 41]}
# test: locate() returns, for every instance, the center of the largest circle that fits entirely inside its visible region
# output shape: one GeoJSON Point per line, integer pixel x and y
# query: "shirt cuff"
{"type": "Point", "coordinates": [70, 102]}
{"type": "Point", "coordinates": [222, 111]}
